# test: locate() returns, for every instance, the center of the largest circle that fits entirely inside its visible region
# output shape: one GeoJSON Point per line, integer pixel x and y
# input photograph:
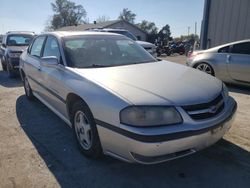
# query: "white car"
{"type": "Point", "coordinates": [123, 102]}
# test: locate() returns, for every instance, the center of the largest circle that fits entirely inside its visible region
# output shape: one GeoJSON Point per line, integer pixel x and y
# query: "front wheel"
{"type": "Point", "coordinates": [10, 71]}
{"type": "Point", "coordinates": [204, 67]}
{"type": "Point", "coordinates": [85, 130]}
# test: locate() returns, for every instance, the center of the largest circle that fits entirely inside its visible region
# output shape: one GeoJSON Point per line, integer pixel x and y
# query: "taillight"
{"type": "Point", "coordinates": [193, 54]}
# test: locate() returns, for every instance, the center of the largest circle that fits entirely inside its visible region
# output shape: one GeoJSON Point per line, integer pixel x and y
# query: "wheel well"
{"type": "Point", "coordinates": [213, 73]}
{"type": "Point", "coordinates": [70, 100]}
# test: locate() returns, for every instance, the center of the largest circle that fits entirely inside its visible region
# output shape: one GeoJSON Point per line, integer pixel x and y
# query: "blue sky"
{"type": "Point", "coordinates": [33, 14]}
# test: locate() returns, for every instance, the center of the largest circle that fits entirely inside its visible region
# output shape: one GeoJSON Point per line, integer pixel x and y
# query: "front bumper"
{"type": "Point", "coordinates": [14, 63]}
{"type": "Point", "coordinates": [159, 148]}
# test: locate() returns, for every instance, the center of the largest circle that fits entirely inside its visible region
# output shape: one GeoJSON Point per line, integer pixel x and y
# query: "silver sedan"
{"type": "Point", "coordinates": [229, 62]}
{"type": "Point", "coordinates": [121, 101]}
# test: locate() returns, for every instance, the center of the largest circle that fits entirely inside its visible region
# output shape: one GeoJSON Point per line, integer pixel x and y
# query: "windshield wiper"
{"type": "Point", "coordinates": [96, 65]}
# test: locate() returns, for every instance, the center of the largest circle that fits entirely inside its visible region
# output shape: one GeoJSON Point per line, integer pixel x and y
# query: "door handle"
{"type": "Point", "coordinates": [228, 58]}
{"type": "Point", "coordinates": [39, 67]}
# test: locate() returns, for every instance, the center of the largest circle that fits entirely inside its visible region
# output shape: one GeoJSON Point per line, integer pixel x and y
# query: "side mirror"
{"type": "Point", "coordinates": [49, 61]}
{"type": "Point", "coordinates": [4, 45]}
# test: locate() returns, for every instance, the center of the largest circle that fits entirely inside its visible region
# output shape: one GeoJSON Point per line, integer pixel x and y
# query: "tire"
{"type": "Point", "coordinates": [27, 89]}
{"type": "Point", "coordinates": [204, 67]}
{"type": "Point", "coordinates": [85, 130]}
{"type": "Point", "coordinates": [3, 65]}
{"type": "Point", "coordinates": [10, 71]}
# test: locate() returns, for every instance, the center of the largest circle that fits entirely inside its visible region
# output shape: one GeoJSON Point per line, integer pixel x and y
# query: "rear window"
{"type": "Point", "coordinates": [224, 50]}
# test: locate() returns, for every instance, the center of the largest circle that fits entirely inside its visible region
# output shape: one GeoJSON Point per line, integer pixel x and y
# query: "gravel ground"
{"type": "Point", "coordinates": [37, 149]}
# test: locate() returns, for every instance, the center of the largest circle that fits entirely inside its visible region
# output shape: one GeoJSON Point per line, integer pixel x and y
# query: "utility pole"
{"type": "Point", "coordinates": [195, 28]}
{"type": "Point", "coordinates": [188, 30]}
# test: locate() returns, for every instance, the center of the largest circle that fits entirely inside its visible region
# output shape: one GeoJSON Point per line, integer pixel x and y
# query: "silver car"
{"type": "Point", "coordinates": [122, 102]}
{"type": "Point", "coordinates": [229, 62]}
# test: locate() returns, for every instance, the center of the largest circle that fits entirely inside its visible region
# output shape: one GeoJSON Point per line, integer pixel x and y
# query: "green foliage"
{"type": "Point", "coordinates": [67, 13]}
{"type": "Point", "coordinates": [164, 34]}
{"type": "Point", "coordinates": [148, 27]}
{"type": "Point", "coordinates": [127, 15]}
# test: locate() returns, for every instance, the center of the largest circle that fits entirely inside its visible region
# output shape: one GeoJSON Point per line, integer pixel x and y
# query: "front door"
{"type": "Point", "coordinates": [239, 62]}
{"type": "Point", "coordinates": [52, 77]}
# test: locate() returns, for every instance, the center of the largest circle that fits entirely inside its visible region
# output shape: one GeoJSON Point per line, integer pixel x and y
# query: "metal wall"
{"type": "Point", "coordinates": [227, 21]}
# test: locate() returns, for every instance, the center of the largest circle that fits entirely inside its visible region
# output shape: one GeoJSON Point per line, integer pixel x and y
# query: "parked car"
{"type": "Point", "coordinates": [229, 62]}
{"type": "Point", "coordinates": [121, 101]}
{"type": "Point", "coordinates": [178, 48]}
{"type": "Point", "coordinates": [13, 44]}
{"type": "Point", "coordinates": [151, 48]}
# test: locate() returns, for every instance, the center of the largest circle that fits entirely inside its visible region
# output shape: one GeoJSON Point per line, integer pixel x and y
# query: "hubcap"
{"type": "Point", "coordinates": [83, 130]}
{"type": "Point", "coordinates": [205, 68]}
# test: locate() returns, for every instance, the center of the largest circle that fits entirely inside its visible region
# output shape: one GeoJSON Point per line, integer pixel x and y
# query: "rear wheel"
{"type": "Point", "coordinates": [85, 130]}
{"type": "Point", "coordinates": [204, 67]}
{"type": "Point", "coordinates": [27, 89]}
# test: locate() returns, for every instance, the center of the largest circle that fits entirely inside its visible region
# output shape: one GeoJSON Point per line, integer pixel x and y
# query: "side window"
{"type": "Point", "coordinates": [51, 48]}
{"type": "Point", "coordinates": [36, 47]}
{"type": "Point", "coordinates": [224, 50]}
{"type": "Point", "coordinates": [242, 48]}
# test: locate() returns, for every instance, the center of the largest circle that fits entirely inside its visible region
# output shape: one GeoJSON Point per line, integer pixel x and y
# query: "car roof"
{"type": "Point", "coordinates": [21, 32]}
{"type": "Point", "coordinates": [75, 33]}
{"type": "Point", "coordinates": [228, 44]}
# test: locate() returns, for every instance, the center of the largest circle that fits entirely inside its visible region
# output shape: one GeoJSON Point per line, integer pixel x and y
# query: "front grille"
{"type": "Point", "coordinates": [205, 110]}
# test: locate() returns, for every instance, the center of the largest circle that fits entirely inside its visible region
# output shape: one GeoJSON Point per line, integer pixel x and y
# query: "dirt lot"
{"type": "Point", "coordinates": [37, 150]}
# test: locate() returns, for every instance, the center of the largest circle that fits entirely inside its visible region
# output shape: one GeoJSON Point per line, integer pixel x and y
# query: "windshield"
{"type": "Point", "coordinates": [103, 51]}
{"type": "Point", "coordinates": [19, 40]}
{"type": "Point", "coordinates": [125, 33]}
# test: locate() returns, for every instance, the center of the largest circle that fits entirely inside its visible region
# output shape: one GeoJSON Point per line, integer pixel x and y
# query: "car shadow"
{"type": "Point", "coordinates": [5, 81]}
{"type": "Point", "coordinates": [222, 165]}
{"type": "Point", "coordinates": [239, 89]}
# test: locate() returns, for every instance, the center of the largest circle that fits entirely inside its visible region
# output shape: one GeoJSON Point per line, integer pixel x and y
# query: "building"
{"type": "Point", "coordinates": [225, 21]}
{"type": "Point", "coordinates": [115, 24]}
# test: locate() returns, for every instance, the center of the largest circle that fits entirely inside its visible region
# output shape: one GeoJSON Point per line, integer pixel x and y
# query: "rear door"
{"type": "Point", "coordinates": [239, 62]}
{"type": "Point", "coordinates": [32, 64]}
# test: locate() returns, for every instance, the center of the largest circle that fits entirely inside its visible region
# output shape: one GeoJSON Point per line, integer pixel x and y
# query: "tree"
{"type": "Point", "coordinates": [102, 18]}
{"type": "Point", "coordinates": [148, 27]}
{"type": "Point", "coordinates": [67, 13]}
{"type": "Point", "coordinates": [165, 34]}
{"type": "Point", "coordinates": [127, 15]}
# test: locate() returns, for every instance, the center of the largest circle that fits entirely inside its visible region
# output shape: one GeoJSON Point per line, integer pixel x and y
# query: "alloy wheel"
{"type": "Point", "coordinates": [205, 68]}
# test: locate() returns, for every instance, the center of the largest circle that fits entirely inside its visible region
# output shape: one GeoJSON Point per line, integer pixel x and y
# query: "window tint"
{"type": "Point", "coordinates": [37, 46]}
{"type": "Point", "coordinates": [51, 48]}
{"type": "Point", "coordinates": [242, 48]}
{"type": "Point", "coordinates": [224, 50]}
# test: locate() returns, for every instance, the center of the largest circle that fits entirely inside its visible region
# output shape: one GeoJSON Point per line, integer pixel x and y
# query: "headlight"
{"type": "Point", "coordinates": [225, 91]}
{"type": "Point", "coordinates": [14, 55]}
{"type": "Point", "coordinates": [149, 116]}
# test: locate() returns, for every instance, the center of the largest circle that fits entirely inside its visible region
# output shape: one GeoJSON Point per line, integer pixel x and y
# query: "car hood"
{"type": "Point", "coordinates": [17, 48]}
{"type": "Point", "coordinates": [157, 83]}
{"type": "Point", "coordinates": [145, 44]}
